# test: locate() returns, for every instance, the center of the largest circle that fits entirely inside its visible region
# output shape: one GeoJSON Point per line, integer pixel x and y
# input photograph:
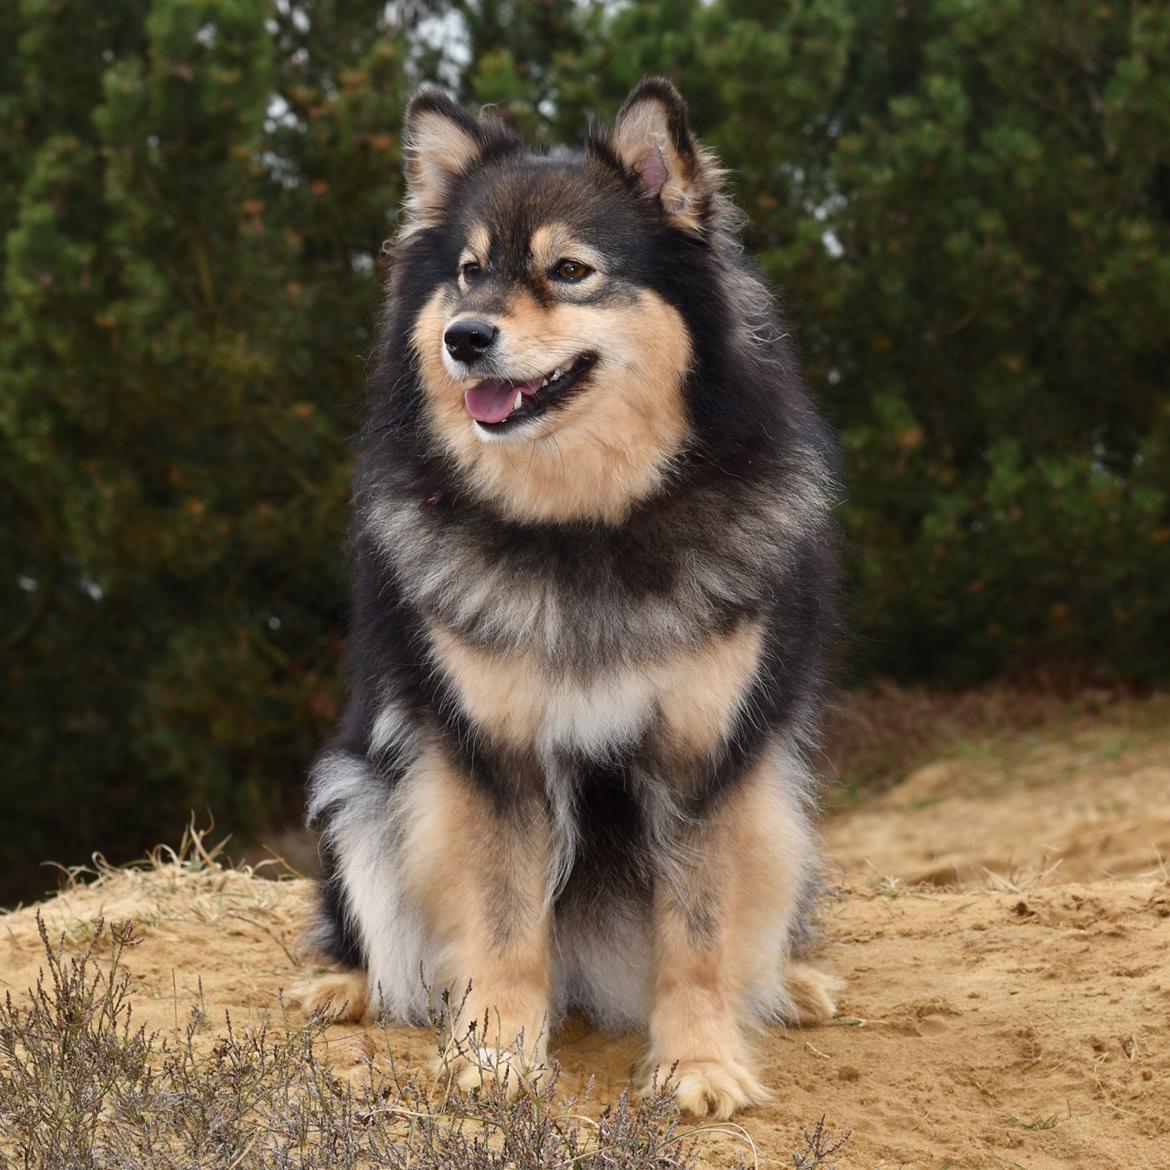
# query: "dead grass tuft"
{"type": "Point", "coordinates": [191, 882]}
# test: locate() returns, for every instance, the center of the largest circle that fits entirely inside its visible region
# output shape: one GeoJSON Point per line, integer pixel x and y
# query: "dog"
{"type": "Point", "coordinates": [594, 574]}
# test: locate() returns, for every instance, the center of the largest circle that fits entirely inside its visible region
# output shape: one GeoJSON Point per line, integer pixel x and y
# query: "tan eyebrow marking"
{"type": "Point", "coordinates": [479, 244]}
{"type": "Point", "coordinates": [554, 241]}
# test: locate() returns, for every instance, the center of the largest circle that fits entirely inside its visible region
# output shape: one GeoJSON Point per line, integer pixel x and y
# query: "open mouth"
{"type": "Point", "coordinates": [498, 403]}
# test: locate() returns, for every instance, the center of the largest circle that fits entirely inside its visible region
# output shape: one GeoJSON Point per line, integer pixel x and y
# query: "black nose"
{"type": "Point", "coordinates": [469, 339]}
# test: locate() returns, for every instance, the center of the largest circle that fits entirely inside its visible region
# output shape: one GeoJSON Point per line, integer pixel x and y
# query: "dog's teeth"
{"type": "Point", "coordinates": [556, 373]}
{"type": "Point", "coordinates": [544, 384]}
{"type": "Point", "coordinates": [519, 400]}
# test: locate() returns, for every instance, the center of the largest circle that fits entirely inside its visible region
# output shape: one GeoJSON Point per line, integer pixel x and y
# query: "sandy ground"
{"type": "Point", "coordinates": [1001, 918]}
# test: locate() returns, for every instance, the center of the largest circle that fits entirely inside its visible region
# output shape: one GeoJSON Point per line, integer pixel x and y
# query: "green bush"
{"type": "Point", "coordinates": [965, 204]}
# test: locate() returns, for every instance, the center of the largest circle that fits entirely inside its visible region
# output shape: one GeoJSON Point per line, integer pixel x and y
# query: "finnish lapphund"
{"type": "Point", "coordinates": [594, 567]}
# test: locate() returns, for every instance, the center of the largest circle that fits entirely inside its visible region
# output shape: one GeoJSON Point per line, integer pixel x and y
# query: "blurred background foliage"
{"type": "Point", "coordinates": [965, 205]}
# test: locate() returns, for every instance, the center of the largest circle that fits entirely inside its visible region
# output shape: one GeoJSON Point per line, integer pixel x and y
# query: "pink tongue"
{"type": "Point", "coordinates": [491, 401]}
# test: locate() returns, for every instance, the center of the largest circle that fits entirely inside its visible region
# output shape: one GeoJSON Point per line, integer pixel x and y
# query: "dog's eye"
{"type": "Point", "coordinates": [471, 270]}
{"type": "Point", "coordinates": [572, 270]}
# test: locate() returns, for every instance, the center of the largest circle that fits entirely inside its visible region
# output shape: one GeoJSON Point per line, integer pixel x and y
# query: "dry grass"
{"type": "Point", "coordinates": [193, 880]}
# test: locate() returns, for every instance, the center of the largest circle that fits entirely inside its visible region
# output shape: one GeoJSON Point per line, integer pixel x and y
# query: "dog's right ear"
{"type": "Point", "coordinates": [442, 142]}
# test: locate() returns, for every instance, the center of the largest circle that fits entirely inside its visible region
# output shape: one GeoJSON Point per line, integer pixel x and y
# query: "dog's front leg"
{"type": "Point", "coordinates": [480, 871]}
{"type": "Point", "coordinates": [695, 1020]}
{"type": "Point", "coordinates": [725, 899]}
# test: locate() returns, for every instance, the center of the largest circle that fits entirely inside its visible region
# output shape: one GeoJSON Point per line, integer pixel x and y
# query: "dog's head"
{"type": "Point", "coordinates": [547, 333]}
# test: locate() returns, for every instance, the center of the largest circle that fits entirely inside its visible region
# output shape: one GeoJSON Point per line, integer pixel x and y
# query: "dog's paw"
{"type": "Point", "coordinates": [339, 996]}
{"type": "Point", "coordinates": [484, 1068]}
{"type": "Point", "coordinates": [812, 994]}
{"type": "Point", "coordinates": [713, 1089]}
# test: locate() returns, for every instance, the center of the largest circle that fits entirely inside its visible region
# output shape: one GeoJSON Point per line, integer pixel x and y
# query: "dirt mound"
{"type": "Point", "coordinates": [1001, 919]}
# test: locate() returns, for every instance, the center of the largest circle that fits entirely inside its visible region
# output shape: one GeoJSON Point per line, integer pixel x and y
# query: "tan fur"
{"type": "Point", "coordinates": [479, 244]}
{"type": "Point", "coordinates": [483, 883]}
{"type": "Point", "coordinates": [702, 691]}
{"type": "Point", "coordinates": [607, 447]}
{"type": "Point", "coordinates": [737, 885]}
{"type": "Point", "coordinates": [501, 693]}
{"type": "Point", "coordinates": [555, 241]}
{"type": "Point", "coordinates": [338, 996]}
{"type": "Point", "coordinates": [812, 994]}
{"type": "Point", "coordinates": [519, 701]}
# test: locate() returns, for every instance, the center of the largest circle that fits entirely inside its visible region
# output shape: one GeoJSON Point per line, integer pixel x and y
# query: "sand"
{"type": "Point", "coordinates": [1000, 916]}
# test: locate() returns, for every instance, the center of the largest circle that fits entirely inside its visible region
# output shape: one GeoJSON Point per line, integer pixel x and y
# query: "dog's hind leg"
{"type": "Point", "coordinates": [338, 996]}
{"type": "Point", "coordinates": [480, 876]}
{"type": "Point", "coordinates": [809, 994]}
{"type": "Point", "coordinates": [724, 907]}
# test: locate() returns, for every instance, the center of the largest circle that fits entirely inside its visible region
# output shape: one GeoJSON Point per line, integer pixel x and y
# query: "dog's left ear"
{"type": "Point", "coordinates": [652, 141]}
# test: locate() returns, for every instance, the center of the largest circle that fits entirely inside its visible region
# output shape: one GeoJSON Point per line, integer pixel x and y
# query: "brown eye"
{"type": "Point", "coordinates": [572, 270]}
{"type": "Point", "coordinates": [471, 270]}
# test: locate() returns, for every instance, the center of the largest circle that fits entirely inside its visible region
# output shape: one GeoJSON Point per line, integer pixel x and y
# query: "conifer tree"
{"type": "Point", "coordinates": [965, 207]}
{"type": "Point", "coordinates": [190, 286]}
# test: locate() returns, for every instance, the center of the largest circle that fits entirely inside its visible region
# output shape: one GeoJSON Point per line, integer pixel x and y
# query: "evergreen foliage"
{"type": "Point", "coordinates": [966, 207]}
